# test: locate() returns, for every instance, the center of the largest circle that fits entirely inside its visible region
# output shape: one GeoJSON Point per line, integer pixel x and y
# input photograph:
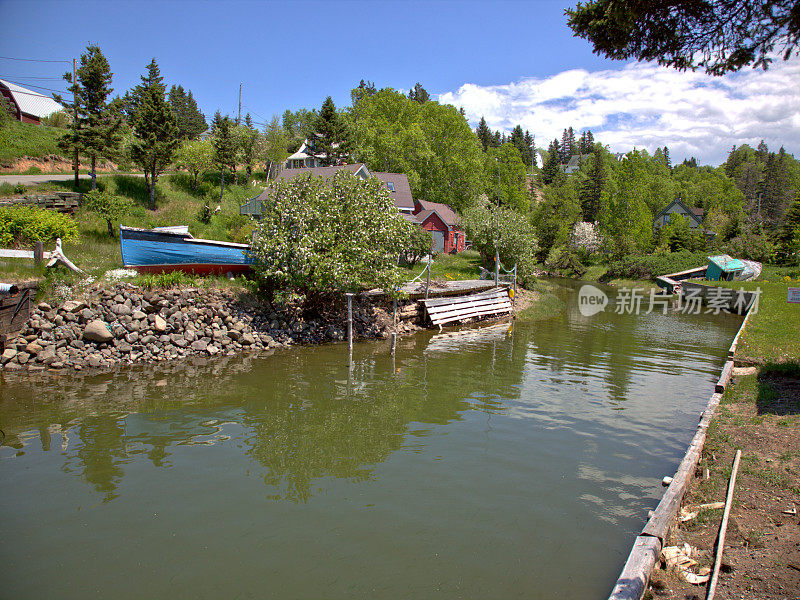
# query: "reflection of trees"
{"type": "Point", "coordinates": [306, 415]}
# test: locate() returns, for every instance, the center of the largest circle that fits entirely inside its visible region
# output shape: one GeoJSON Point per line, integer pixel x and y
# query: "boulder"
{"type": "Point", "coordinates": [97, 331]}
{"type": "Point", "coordinates": [74, 306]}
{"type": "Point", "coordinates": [248, 339]}
{"type": "Point", "coordinates": [8, 354]}
{"type": "Point", "coordinates": [199, 345]}
{"type": "Point", "coordinates": [33, 348]}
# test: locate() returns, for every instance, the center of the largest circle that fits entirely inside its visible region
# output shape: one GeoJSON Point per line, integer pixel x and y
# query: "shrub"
{"type": "Point", "coordinates": [420, 245]}
{"type": "Point", "coordinates": [319, 237]}
{"type": "Point", "coordinates": [751, 246]}
{"type": "Point", "coordinates": [564, 261]}
{"type": "Point", "coordinates": [653, 265]}
{"type": "Point", "coordinates": [27, 224]}
{"type": "Point", "coordinates": [109, 206]}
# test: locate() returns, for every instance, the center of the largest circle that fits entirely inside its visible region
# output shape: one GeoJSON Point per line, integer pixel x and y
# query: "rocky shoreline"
{"type": "Point", "coordinates": [126, 325]}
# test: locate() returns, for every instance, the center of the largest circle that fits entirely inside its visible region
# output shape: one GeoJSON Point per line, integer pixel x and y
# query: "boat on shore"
{"type": "Point", "coordinates": [166, 249]}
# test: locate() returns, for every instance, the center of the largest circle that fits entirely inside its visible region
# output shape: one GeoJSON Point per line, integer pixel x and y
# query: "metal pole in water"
{"type": "Point", "coordinates": [428, 284]}
{"type": "Point", "coordinates": [394, 315]}
{"type": "Point", "coordinates": [38, 253]}
{"type": "Point", "coordinates": [393, 342]}
{"type": "Point", "coordinates": [349, 321]}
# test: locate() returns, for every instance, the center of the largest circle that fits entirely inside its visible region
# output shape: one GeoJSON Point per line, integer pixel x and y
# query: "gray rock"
{"type": "Point", "coordinates": [94, 360]}
{"type": "Point", "coordinates": [23, 357]}
{"type": "Point", "coordinates": [8, 354]}
{"type": "Point", "coordinates": [248, 339]}
{"type": "Point", "coordinates": [212, 350]}
{"type": "Point", "coordinates": [124, 347]}
{"type": "Point", "coordinates": [74, 306]}
{"type": "Point", "coordinates": [33, 348]}
{"type": "Point", "coordinates": [138, 315]}
{"type": "Point", "coordinates": [235, 335]}
{"type": "Point", "coordinates": [47, 356]}
{"type": "Point", "coordinates": [87, 314]}
{"type": "Point", "coordinates": [121, 309]}
{"type": "Point", "coordinates": [44, 307]}
{"type": "Point", "coordinates": [159, 324]}
{"type": "Point", "coordinates": [97, 331]}
{"type": "Point", "coordinates": [199, 345]}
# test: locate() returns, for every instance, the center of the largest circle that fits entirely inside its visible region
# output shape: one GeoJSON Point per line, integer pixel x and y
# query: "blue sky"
{"type": "Point", "coordinates": [515, 62]}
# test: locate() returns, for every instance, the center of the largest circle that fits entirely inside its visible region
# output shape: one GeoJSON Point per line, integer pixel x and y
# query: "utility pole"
{"type": "Point", "coordinates": [497, 231]}
{"type": "Point", "coordinates": [239, 118]}
{"type": "Point", "coordinates": [75, 159]}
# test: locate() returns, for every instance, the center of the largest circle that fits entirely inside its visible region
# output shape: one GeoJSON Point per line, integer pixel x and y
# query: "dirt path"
{"type": "Point", "coordinates": [759, 414]}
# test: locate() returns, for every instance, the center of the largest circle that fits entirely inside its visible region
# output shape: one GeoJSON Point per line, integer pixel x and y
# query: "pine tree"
{"type": "Point", "coordinates": [667, 159]}
{"type": "Point", "coordinates": [191, 121]}
{"type": "Point", "coordinates": [249, 142]}
{"type": "Point", "coordinates": [551, 167]}
{"type": "Point", "coordinates": [592, 189]}
{"type": "Point", "coordinates": [529, 149]}
{"type": "Point", "coordinates": [484, 134]}
{"type": "Point", "coordinates": [365, 89]}
{"type": "Point", "coordinates": [568, 145]}
{"type": "Point", "coordinates": [155, 129]}
{"type": "Point", "coordinates": [96, 128]}
{"type": "Point", "coordinates": [332, 144]}
{"type": "Point", "coordinates": [517, 140]}
{"type": "Point", "coordinates": [419, 94]}
{"type": "Point", "coordinates": [788, 238]}
{"type": "Point", "coordinates": [224, 147]}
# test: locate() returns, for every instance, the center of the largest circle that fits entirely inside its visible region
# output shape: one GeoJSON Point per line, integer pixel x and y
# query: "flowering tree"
{"type": "Point", "coordinates": [585, 237]}
{"type": "Point", "coordinates": [320, 237]}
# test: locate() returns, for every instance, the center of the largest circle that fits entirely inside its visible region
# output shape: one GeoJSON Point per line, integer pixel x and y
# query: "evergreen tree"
{"type": "Point", "coordinates": [96, 127]}
{"type": "Point", "coordinates": [667, 159]}
{"type": "Point", "coordinates": [484, 134]}
{"type": "Point", "coordinates": [788, 238]}
{"type": "Point", "coordinates": [332, 144]}
{"type": "Point", "coordinates": [568, 145]}
{"type": "Point", "coordinates": [529, 149]}
{"type": "Point", "coordinates": [249, 141]}
{"type": "Point", "coordinates": [155, 131]}
{"type": "Point", "coordinates": [419, 94]}
{"type": "Point", "coordinates": [592, 189]}
{"type": "Point", "coordinates": [517, 140]}
{"type": "Point", "coordinates": [190, 119]}
{"type": "Point", "coordinates": [225, 147]}
{"type": "Point", "coordinates": [551, 167]}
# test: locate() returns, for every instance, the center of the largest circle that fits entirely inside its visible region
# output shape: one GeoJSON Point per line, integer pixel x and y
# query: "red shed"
{"type": "Point", "coordinates": [443, 223]}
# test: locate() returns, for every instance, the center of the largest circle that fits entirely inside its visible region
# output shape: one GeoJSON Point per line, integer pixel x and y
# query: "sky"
{"type": "Point", "coordinates": [511, 62]}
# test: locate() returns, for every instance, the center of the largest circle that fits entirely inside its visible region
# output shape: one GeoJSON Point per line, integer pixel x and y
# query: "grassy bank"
{"type": "Point", "coordinates": [176, 204]}
{"type": "Point", "coordinates": [24, 139]}
{"type": "Point", "coordinates": [760, 415]}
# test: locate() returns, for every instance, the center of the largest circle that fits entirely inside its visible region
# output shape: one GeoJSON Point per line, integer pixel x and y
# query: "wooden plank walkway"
{"type": "Point", "coordinates": [416, 290]}
{"type": "Point", "coordinates": [448, 310]}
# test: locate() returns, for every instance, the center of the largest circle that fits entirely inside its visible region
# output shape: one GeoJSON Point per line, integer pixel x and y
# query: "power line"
{"type": "Point", "coordinates": [35, 60]}
{"type": "Point", "coordinates": [31, 77]}
{"type": "Point", "coordinates": [39, 87]}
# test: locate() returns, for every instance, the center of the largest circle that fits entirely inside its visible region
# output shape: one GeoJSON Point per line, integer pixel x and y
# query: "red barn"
{"type": "Point", "coordinates": [444, 225]}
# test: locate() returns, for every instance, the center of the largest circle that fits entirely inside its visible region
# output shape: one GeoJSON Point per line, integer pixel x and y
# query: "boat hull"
{"type": "Point", "coordinates": [150, 251]}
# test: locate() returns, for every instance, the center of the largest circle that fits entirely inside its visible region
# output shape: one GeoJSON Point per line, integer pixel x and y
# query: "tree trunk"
{"type": "Point", "coordinates": [221, 184]}
{"type": "Point", "coordinates": [94, 175]}
{"type": "Point", "coordinates": [153, 189]}
{"type": "Point", "coordinates": [76, 164]}
{"type": "Point", "coordinates": [110, 228]}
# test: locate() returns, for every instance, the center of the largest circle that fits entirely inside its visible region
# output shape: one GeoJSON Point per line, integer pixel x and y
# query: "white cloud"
{"type": "Point", "coordinates": [647, 106]}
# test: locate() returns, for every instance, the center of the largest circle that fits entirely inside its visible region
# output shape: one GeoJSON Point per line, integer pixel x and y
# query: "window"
{"type": "Point", "coordinates": [390, 185]}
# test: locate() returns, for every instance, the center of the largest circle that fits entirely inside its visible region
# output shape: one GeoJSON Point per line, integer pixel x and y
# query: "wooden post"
{"type": "Point", "coordinates": [496, 267]}
{"type": "Point", "coordinates": [349, 321]}
{"type": "Point", "coordinates": [38, 253]}
{"type": "Point", "coordinates": [428, 283]}
{"type": "Point", "coordinates": [712, 586]}
{"type": "Point", "coordinates": [393, 342]}
{"type": "Point", "coordinates": [394, 316]}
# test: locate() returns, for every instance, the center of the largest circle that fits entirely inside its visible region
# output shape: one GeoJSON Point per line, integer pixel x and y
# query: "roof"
{"type": "Point", "coordinates": [726, 263]}
{"type": "Point", "coordinates": [402, 190]}
{"type": "Point", "coordinates": [697, 213]}
{"type": "Point", "coordinates": [446, 214]}
{"type": "Point", "coordinates": [30, 102]}
{"type": "Point", "coordinates": [574, 162]}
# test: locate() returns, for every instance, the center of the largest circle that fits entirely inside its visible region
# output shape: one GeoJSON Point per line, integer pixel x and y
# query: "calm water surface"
{"type": "Point", "coordinates": [484, 463]}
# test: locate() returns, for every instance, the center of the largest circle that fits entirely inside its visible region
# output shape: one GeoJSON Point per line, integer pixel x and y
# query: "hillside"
{"type": "Point", "coordinates": [24, 139]}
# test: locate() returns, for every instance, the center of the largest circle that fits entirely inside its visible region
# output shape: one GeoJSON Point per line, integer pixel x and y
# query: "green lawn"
{"type": "Point", "coordinates": [464, 265]}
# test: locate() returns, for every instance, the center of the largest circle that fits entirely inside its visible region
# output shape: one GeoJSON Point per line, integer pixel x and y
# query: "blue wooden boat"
{"type": "Point", "coordinates": [166, 249]}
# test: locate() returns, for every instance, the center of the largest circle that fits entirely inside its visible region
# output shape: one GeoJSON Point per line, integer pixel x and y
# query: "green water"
{"type": "Point", "coordinates": [486, 464]}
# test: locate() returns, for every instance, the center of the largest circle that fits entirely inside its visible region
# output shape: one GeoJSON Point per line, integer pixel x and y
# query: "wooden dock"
{"type": "Point", "coordinates": [445, 310]}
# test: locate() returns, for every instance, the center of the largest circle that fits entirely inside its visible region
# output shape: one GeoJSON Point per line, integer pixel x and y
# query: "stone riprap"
{"type": "Point", "coordinates": [125, 324]}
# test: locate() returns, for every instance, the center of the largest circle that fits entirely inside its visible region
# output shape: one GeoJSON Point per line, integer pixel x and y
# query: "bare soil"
{"type": "Point", "coordinates": [760, 414]}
